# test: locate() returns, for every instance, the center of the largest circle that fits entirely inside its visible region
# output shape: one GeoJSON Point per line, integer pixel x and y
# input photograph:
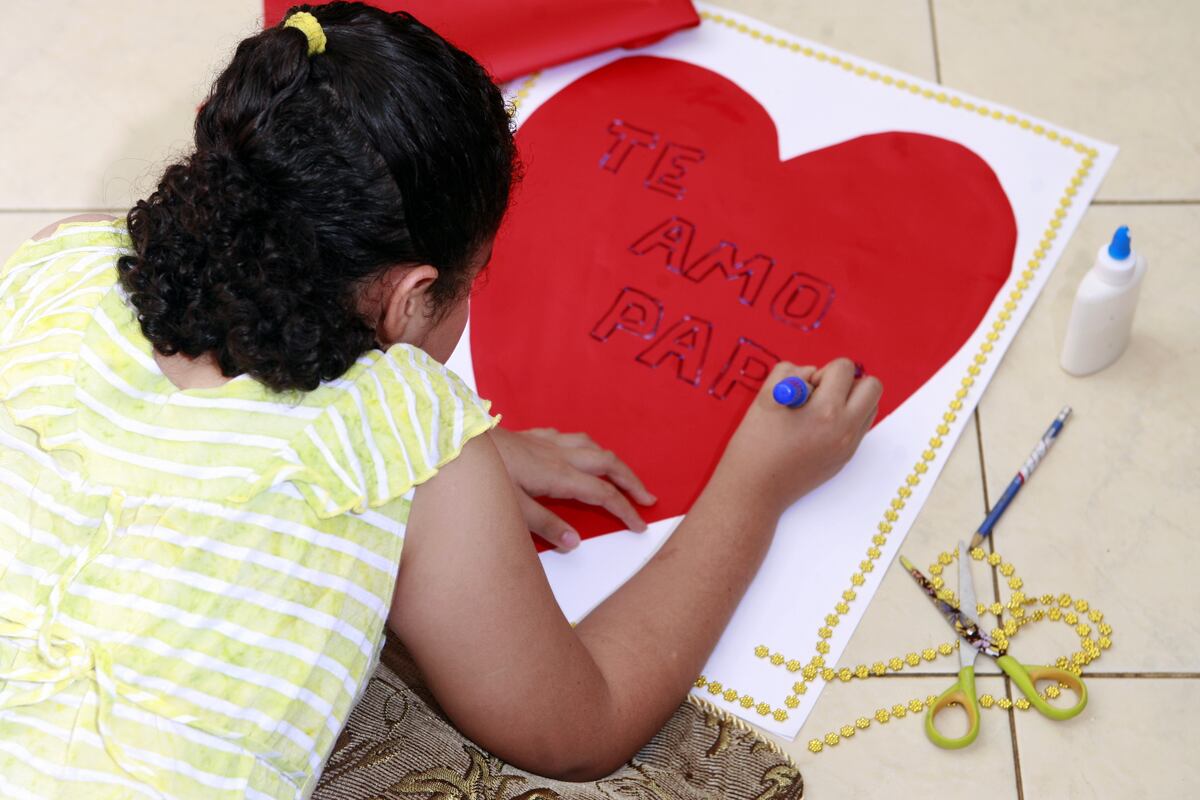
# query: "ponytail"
{"type": "Point", "coordinates": [311, 175]}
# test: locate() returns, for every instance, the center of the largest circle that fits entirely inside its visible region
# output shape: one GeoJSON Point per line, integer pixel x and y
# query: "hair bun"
{"type": "Point", "coordinates": [311, 177]}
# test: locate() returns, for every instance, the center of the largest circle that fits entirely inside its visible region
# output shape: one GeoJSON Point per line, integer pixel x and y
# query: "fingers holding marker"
{"type": "Point", "coordinates": [865, 394]}
{"type": "Point", "coordinates": [868, 422]}
{"type": "Point", "coordinates": [794, 386]}
{"type": "Point", "coordinates": [835, 380]}
{"type": "Point", "coordinates": [864, 401]}
{"type": "Point", "coordinates": [786, 369]}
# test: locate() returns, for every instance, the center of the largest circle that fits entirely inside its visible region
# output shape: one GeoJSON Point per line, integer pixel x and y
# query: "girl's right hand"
{"type": "Point", "coordinates": [779, 454]}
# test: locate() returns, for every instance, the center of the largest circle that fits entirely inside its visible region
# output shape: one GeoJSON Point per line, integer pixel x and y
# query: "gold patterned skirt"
{"type": "Point", "coordinates": [398, 744]}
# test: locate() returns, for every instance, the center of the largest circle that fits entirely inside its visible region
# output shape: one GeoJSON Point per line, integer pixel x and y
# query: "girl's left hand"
{"type": "Point", "coordinates": [568, 466]}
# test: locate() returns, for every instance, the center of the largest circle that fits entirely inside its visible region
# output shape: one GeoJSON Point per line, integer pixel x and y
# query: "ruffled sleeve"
{"type": "Point", "coordinates": [391, 425]}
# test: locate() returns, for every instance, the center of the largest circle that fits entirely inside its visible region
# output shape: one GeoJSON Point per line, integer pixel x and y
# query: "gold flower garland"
{"type": "Point", "coordinates": [892, 513]}
{"type": "Point", "coordinates": [1055, 610]}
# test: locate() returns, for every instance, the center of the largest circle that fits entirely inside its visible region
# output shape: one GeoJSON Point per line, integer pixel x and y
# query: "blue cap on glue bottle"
{"type": "Point", "coordinates": [791, 392]}
{"type": "Point", "coordinates": [1118, 248]}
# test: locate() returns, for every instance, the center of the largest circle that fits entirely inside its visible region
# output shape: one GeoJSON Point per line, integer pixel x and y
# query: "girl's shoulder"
{"type": "Point", "coordinates": [354, 443]}
{"type": "Point", "coordinates": [389, 424]}
{"type": "Point", "coordinates": [51, 284]}
{"type": "Point", "coordinates": [52, 228]}
{"type": "Point", "coordinates": [66, 250]}
{"type": "Point", "coordinates": [65, 236]}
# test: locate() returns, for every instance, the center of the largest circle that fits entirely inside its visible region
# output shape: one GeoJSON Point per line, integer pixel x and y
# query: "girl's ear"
{"type": "Point", "coordinates": [405, 304]}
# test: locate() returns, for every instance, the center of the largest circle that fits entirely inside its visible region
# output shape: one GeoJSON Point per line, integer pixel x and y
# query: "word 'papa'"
{"type": "Point", "coordinates": [800, 301]}
{"type": "Point", "coordinates": [686, 341]}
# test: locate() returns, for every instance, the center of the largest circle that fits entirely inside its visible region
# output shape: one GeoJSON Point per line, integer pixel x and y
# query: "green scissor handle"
{"type": "Point", "coordinates": [1026, 678]}
{"type": "Point", "coordinates": [962, 693]}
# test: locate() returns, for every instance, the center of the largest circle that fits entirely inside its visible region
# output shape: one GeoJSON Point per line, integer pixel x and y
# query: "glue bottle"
{"type": "Point", "coordinates": [1102, 317]}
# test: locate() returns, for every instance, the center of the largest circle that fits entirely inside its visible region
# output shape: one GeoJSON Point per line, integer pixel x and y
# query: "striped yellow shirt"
{"type": "Point", "coordinates": [193, 583]}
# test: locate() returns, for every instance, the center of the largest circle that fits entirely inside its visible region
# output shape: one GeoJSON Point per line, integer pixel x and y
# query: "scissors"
{"type": "Point", "coordinates": [975, 641]}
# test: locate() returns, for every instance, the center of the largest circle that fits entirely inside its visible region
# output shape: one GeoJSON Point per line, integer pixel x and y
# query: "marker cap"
{"type": "Point", "coordinates": [791, 392]}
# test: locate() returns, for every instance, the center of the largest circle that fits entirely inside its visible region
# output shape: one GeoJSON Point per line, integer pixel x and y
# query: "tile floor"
{"type": "Point", "coordinates": [96, 98]}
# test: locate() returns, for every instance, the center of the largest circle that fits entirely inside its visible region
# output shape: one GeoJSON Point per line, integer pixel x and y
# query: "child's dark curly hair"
{"type": "Point", "coordinates": [310, 176]}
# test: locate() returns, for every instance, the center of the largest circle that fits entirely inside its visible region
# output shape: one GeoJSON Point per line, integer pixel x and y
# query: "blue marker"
{"type": "Point", "coordinates": [791, 392]}
{"type": "Point", "coordinates": [1035, 458]}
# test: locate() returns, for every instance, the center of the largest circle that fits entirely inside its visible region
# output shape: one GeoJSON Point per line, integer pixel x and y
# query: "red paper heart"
{"type": "Point", "coordinates": [887, 248]}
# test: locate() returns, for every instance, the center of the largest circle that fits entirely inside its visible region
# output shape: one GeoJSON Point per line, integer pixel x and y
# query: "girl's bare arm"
{"type": "Point", "coordinates": [473, 605]}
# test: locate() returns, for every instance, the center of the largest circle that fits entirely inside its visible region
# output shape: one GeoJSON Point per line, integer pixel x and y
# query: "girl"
{"type": "Point", "coordinates": [224, 416]}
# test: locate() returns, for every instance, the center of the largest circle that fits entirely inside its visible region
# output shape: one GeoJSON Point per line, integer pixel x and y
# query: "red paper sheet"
{"type": "Point", "coordinates": [659, 257]}
{"type": "Point", "coordinates": [516, 37]}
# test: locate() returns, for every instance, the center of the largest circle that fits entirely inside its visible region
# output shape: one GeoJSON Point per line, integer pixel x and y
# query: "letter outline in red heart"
{"type": "Point", "coordinates": [657, 180]}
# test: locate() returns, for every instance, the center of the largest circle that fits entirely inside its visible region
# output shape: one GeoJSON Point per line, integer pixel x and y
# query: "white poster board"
{"type": "Point", "coordinates": [810, 575]}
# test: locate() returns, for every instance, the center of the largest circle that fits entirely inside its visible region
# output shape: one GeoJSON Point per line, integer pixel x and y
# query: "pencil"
{"type": "Point", "coordinates": [1035, 458]}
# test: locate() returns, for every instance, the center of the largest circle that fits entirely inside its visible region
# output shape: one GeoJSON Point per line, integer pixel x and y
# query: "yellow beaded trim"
{"type": "Point", "coordinates": [731, 695]}
{"type": "Point", "coordinates": [816, 664]}
{"type": "Point", "coordinates": [900, 84]}
{"type": "Point", "coordinates": [1057, 608]}
{"type": "Point", "coordinates": [892, 513]}
{"type": "Point", "coordinates": [522, 92]}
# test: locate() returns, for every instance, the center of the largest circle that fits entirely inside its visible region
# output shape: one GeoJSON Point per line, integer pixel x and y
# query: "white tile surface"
{"type": "Point", "coordinates": [896, 759]}
{"type": "Point", "coordinates": [97, 97]}
{"type": "Point", "coordinates": [1120, 71]}
{"type": "Point", "coordinates": [1137, 738]}
{"type": "Point", "coordinates": [896, 33]}
{"type": "Point", "coordinates": [1109, 514]}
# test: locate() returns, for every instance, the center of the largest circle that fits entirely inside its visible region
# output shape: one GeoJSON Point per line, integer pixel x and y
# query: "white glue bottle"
{"type": "Point", "coordinates": [1102, 316]}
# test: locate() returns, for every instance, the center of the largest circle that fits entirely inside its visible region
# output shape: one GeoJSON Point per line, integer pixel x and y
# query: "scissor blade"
{"type": "Point", "coordinates": [963, 624]}
{"type": "Point", "coordinates": [966, 606]}
{"type": "Point", "coordinates": [948, 610]}
{"type": "Point", "coordinates": [966, 584]}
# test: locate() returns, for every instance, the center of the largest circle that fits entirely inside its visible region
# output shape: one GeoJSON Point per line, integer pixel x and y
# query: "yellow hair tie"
{"type": "Point", "coordinates": [307, 24]}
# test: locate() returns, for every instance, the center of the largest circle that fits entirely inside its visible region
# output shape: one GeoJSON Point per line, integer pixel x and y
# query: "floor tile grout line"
{"type": "Point", "coordinates": [79, 210]}
{"type": "Point", "coordinates": [991, 543]}
{"type": "Point", "coordinates": [987, 505]}
{"type": "Point", "coordinates": [937, 59]}
{"type": "Point", "coordinates": [1148, 202]}
{"type": "Point", "coordinates": [1143, 676]}
{"type": "Point", "coordinates": [1012, 732]}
